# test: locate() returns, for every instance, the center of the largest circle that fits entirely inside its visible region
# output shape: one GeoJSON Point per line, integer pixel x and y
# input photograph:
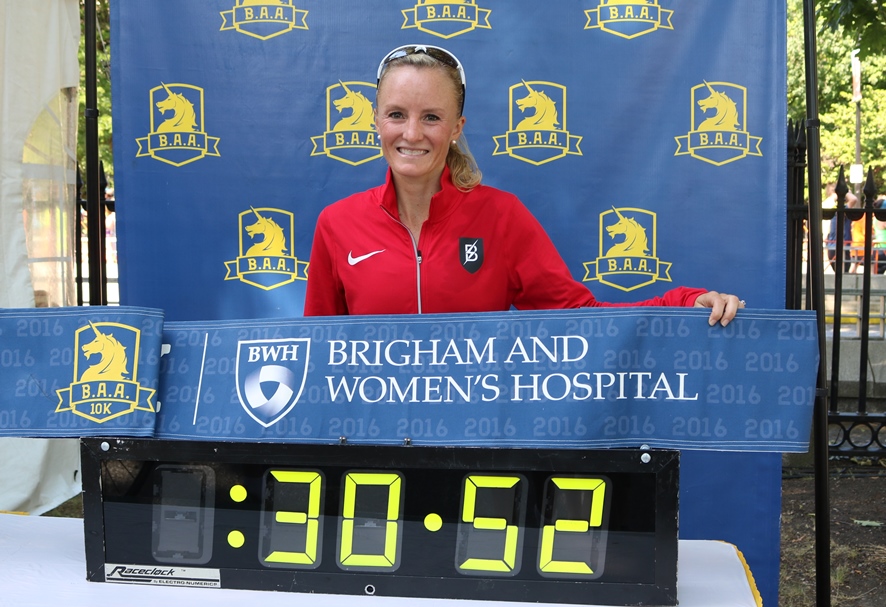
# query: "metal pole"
{"type": "Point", "coordinates": [816, 287]}
{"type": "Point", "coordinates": [857, 178]}
{"type": "Point", "coordinates": [95, 218]}
{"type": "Point", "coordinates": [857, 185]}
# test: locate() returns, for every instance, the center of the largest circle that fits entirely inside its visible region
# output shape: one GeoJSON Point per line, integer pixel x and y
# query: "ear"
{"type": "Point", "coordinates": [459, 128]}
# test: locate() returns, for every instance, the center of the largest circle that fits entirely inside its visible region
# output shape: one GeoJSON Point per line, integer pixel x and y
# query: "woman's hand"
{"type": "Point", "coordinates": [723, 306]}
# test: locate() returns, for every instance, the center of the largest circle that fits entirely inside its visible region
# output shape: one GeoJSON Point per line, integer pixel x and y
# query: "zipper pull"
{"type": "Point", "coordinates": [418, 255]}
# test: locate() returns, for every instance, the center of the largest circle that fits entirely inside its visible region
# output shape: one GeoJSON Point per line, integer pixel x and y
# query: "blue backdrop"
{"type": "Point", "coordinates": [668, 112]}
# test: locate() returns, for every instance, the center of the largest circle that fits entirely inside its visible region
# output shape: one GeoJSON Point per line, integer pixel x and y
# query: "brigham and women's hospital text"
{"type": "Point", "coordinates": [369, 358]}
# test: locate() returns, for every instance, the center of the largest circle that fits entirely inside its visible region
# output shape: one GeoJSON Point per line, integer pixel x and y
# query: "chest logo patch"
{"type": "Point", "coordinates": [352, 261]}
{"type": "Point", "coordinates": [470, 253]}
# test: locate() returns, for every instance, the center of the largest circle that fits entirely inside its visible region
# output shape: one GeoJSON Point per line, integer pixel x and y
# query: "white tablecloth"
{"type": "Point", "coordinates": [43, 564]}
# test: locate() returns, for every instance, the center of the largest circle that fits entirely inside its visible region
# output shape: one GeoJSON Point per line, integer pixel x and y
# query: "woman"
{"type": "Point", "coordinates": [433, 238]}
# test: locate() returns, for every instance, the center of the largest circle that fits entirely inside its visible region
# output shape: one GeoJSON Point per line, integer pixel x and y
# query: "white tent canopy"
{"type": "Point", "coordinates": [38, 211]}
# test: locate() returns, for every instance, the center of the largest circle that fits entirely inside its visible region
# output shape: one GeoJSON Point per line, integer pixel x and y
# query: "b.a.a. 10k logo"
{"type": "Point", "coordinates": [446, 18]}
{"type": "Point", "coordinates": [105, 374]}
{"type": "Point", "coordinates": [268, 262]}
{"type": "Point", "coordinates": [537, 131]}
{"type": "Point", "coordinates": [264, 19]}
{"type": "Point", "coordinates": [627, 257]}
{"type": "Point", "coordinates": [719, 132]}
{"type": "Point", "coordinates": [271, 376]}
{"type": "Point", "coordinates": [177, 134]}
{"type": "Point", "coordinates": [628, 18]}
{"type": "Point", "coordinates": [350, 135]}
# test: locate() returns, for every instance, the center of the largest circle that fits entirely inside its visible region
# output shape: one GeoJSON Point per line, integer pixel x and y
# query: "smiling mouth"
{"type": "Point", "coordinates": [409, 152]}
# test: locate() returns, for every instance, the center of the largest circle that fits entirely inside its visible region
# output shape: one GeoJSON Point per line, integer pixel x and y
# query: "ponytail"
{"type": "Point", "coordinates": [463, 168]}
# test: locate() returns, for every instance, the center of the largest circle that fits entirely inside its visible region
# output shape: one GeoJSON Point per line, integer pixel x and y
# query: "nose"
{"type": "Point", "coordinates": [412, 130]}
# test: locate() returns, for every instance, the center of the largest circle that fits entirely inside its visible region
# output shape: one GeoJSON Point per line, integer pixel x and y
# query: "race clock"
{"type": "Point", "coordinates": [565, 526]}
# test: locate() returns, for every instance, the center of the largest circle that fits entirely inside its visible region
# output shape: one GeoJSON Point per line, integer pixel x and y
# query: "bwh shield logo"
{"type": "Point", "coordinates": [271, 376]}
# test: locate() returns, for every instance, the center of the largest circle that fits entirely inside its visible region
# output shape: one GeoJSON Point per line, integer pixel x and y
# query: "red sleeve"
{"type": "Point", "coordinates": [543, 281]}
{"type": "Point", "coordinates": [325, 294]}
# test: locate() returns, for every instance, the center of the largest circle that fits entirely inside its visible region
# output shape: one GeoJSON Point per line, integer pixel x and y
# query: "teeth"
{"type": "Point", "coordinates": [406, 152]}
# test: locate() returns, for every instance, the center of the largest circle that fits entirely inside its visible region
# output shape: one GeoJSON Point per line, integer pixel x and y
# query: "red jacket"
{"type": "Point", "coordinates": [478, 251]}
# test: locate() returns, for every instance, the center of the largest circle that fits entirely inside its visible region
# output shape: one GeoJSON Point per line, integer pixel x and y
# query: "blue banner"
{"type": "Point", "coordinates": [71, 372]}
{"type": "Point", "coordinates": [231, 112]}
{"type": "Point", "coordinates": [589, 378]}
{"type": "Point", "coordinates": [610, 377]}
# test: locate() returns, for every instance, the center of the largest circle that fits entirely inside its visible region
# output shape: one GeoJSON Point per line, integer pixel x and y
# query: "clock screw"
{"type": "Point", "coordinates": [342, 440]}
{"type": "Point", "coordinates": [407, 441]}
{"type": "Point", "coordinates": [370, 589]}
{"type": "Point", "coordinates": [645, 458]}
{"type": "Point", "coordinates": [105, 446]}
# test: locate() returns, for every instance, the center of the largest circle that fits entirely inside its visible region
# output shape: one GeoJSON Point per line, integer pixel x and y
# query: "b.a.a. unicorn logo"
{"type": "Point", "coordinates": [177, 135]}
{"type": "Point", "coordinates": [350, 135]}
{"type": "Point", "coordinates": [628, 18]}
{"type": "Point", "coordinates": [105, 374]}
{"type": "Point", "coordinates": [446, 18]}
{"type": "Point", "coordinates": [266, 260]}
{"type": "Point", "coordinates": [264, 19]}
{"type": "Point", "coordinates": [627, 255]}
{"type": "Point", "coordinates": [271, 376]}
{"type": "Point", "coordinates": [537, 132]}
{"type": "Point", "coordinates": [719, 132]}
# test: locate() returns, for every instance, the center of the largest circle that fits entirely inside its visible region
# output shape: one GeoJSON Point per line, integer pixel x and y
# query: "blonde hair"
{"type": "Point", "coordinates": [463, 167]}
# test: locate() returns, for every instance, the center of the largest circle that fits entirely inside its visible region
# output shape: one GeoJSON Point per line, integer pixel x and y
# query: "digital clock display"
{"type": "Point", "coordinates": [563, 526]}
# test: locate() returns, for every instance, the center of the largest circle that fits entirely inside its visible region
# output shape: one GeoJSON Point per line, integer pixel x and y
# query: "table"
{"type": "Point", "coordinates": [42, 562]}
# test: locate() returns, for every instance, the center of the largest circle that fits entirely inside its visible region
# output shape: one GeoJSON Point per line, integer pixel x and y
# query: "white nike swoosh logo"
{"type": "Point", "coordinates": [355, 260]}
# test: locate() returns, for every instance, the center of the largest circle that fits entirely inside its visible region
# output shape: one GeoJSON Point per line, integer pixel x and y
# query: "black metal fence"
{"type": "Point", "coordinates": [854, 255]}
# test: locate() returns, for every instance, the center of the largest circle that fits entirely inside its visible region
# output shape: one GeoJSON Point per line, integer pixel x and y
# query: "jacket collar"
{"type": "Point", "coordinates": [442, 203]}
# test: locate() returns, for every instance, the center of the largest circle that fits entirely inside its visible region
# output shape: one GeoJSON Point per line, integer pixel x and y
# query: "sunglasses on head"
{"type": "Point", "coordinates": [434, 52]}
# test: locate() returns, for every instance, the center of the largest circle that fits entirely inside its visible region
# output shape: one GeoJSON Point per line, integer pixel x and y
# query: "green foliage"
{"type": "Point", "coordinates": [863, 21]}
{"type": "Point", "coordinates": [103, 88]}
{"type": "Point", "coordinates": [840, 28]}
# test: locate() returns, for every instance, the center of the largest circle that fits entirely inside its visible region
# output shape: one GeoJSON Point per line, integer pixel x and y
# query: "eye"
{"type": "Point", "coordinates": [432, 117]}
{"type": "Point", "coordinates": [395, 115]}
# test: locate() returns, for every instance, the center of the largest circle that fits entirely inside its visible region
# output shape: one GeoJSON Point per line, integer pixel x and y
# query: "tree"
{"type": "Point", "coordinates": [861, 20]}
{"type": "Point", "coordinates": [836, 108]}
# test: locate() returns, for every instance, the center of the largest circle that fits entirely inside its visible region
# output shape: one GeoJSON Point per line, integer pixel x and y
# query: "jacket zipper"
{"type": "Point", "coordinates": [415, 252]}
